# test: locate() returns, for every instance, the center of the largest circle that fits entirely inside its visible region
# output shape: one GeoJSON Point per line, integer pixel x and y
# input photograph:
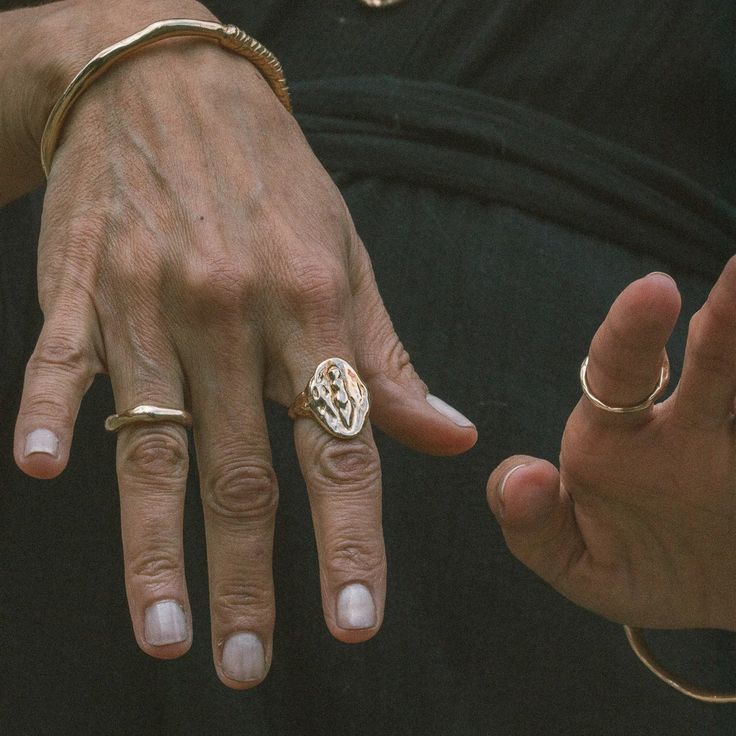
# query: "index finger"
{"type": "Point", "coordinates": [627, 352]}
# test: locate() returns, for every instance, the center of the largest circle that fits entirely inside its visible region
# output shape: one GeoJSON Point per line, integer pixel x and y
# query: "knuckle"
{"type": "Point", "coordinates": [243, 492]}
{"type": "Point", "coordinates": [136, 271]}
{"type": "Point", "coordinates": [695, 332]}
{"type": "Point", "coordinates": [719, 314]}
{"type": "Point", "coordinates": [222, 283]}
{"type": "Point", "coordinates": [346, 556]}
{"type": "Point", "coordinates": [398, 355]}
{"type": "Point", "coordinates": [347, 465]}
{"type": "Point", "coordinates": [48, 405]}
{"type": "Point", "coordinates": [702, 346]}
{"type": "Point", "coordinates": [232, 598]}
{"type": "Point", "coordinates": [60, 352]}
{"type": "Point", "coordinates": [158, 454]}
{"type": "Point", "coordinates": [400, 361]}
{"type": "Point", "coordinates": [154, 568]}
{"type": "Point", "coordinates": [315, 291]}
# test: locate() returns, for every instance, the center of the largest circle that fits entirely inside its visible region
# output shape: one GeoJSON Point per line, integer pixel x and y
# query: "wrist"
{"type": "Point", "coordinates": [82, 28]}
{"type": "Point", "coordinates": [43, 48]}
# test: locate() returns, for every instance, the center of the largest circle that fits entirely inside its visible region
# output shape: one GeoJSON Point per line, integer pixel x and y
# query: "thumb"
{"type": "Point", "coordinates": [401, 404]}
{"type": "Point", "coordinates": [537, 518]}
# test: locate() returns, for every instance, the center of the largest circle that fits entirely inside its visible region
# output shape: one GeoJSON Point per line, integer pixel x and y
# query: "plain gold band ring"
{"type": "Point", "coordinates": [664, 377]}
{"type": "Point", "coordinates": [149, 414]}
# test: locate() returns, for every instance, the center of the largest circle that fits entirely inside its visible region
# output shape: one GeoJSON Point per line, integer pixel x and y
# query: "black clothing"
{"type": "Point", "coordinates": [511, 165]}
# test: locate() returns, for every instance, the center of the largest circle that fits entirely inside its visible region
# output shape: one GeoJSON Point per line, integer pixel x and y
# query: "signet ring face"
{"type": "Point", "coordinates": [335, 397]}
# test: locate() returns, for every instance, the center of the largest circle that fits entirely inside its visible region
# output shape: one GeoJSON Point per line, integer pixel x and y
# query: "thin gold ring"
{"type": "Point", "coordinates": [149, 414]}
{"type": "Point", "coordinates": [664, 377]}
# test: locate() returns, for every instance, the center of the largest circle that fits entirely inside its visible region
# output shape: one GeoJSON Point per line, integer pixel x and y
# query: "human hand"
{"type": "Point", "coordinates": [193, 248]}
{"type": "Point", "coordinates": [639, 525]}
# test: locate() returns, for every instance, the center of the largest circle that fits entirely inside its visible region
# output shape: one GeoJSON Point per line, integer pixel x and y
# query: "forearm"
{"type": "Point", "coordinates": [41, 49]}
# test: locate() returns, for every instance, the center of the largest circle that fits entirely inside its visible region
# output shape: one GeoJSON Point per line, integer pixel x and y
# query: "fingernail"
{"type": "Point", "coordinates": [446, 410]}
{"type": "Point", "coordinates": [355, 607]}
{"type": "Point", "coordinates": [502, 485]}
{"type": "Point", "coordinates": [42, 441]}
{"type": "Point", "coordinates": [662, 273]}
{"type": "Point", "coordinates": [165, 623]}
{"type": "Point", "coordinates": [243, 658]}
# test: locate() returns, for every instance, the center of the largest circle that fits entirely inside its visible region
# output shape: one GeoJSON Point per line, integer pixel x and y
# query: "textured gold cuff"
{"type": "Point", "coordinates": [228, 36]}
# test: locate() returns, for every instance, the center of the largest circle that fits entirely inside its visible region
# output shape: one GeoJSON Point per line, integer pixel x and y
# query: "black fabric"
{"type": "Point", "coordinates": [510, 165]}
{"type": "Point", "coordinates": [656, 76]}
{"type": "Point", "coordinates": [462, 141]}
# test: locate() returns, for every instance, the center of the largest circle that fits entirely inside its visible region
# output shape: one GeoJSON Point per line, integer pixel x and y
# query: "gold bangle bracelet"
{"type": "Point", "coordinates": [637, 643]}
{"type": "Point", "coordinates": [228, 36]}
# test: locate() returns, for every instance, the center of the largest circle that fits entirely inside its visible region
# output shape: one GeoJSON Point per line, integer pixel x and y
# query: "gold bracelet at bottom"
{"type": "Point", "coordinates": [641, 649]}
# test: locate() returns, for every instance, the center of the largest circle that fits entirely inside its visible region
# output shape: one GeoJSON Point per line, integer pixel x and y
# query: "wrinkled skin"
{"type": "Point", "coordinates": [639, 524]}
{"type": "Point", "coordinates": [194, 249]}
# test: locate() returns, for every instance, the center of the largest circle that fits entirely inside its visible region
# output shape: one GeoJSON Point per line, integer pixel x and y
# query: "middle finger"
{"type": "Point", "coordinates": [239, 498]}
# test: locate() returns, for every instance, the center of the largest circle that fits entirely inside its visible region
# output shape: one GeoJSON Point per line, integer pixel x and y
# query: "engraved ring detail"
{"type": "Point", "coordinates": [335, 397]}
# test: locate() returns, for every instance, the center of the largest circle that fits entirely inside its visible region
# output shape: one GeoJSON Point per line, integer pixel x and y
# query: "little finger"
{"type": "Point", "coordinates": [58, 375]}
